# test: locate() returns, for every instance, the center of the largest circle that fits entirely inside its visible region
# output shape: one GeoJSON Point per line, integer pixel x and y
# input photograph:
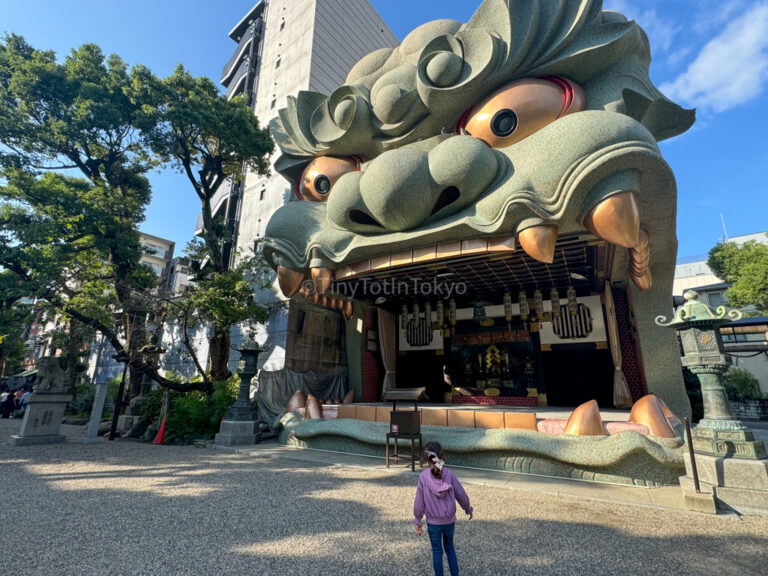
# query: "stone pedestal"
{"type": "Point", "coordinates": [92, 431]}
{"type": "Point", "coordinates": [238, 433]}
{"type": "Point", "coordinates": [738, 485]}
{"type": "Point", "coordinates": [42, 419]}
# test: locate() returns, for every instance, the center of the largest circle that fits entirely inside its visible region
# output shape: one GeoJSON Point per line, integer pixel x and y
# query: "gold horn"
{"type": "Point", "coordinates": [639, 263]}
{"type": "Point", "coordinates": [314, 409]}
{"type": "Point", "coordinates": [349, 309]}
{"type": "Point", "coordinates": [648, 411]}
{"type": "Point", "coordinates": [616, 220]}
{"type": "Point", "coordinates": [671, 416]}
{"type": "Point", "coordinates": [289, 280]}
{"type": "Point", "coordinates": [585, 421]}
{"type": "Point", "coordinates": [539, 242]}
{"type": "Point", "coordinates": [322, 278]}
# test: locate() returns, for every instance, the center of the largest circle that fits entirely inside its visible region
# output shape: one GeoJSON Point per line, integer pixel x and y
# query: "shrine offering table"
{"type": "Point", "coordinates": [497, 400]}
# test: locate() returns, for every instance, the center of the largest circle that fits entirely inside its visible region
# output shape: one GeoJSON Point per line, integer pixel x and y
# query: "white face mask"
{"type": "Point", "coordinates": [435, 460]}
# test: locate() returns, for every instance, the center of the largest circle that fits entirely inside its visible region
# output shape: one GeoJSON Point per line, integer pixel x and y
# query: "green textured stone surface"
{"type": "Point", "coordinates": [625, 458]}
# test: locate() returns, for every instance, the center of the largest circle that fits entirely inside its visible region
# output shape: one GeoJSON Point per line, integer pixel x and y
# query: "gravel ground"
{"type": "Point", "coordinates": [129, 508]}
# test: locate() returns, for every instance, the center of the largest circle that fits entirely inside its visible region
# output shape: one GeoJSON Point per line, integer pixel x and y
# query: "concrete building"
{"type": "Point", "coordinates": [284, 47]}
{"type": "Point", "coordinates": [157, 253]}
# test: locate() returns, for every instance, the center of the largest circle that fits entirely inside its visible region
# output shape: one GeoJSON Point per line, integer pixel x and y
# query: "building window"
{"type": "Point", "coordinates": [277, 63]}
{"type": "Point", "coordinates": [716, 299]}
{"type": "Point", "coordinates": [273, 103]}
{"type": "Point", "coordinates": [282, 24]}
{"type": "Point", "coordinates": [261, 194]}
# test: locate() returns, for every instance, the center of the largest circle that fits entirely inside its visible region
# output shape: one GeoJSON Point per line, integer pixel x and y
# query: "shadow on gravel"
{"type": "Point", "coordinates": [153, 510]}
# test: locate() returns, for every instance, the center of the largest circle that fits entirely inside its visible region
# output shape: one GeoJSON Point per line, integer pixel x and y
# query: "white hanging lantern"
{"type": "Point", "coordinates": [507, 306]}
{"type": "Point", "coordinates": [404, 317]}
{"type": "Point", "coordinates": [522, 299]}
{"type": "Point", "coordinates": [416, 313]}
{"type": "Point", "coordinates": [428, 315]}
{"type": "Point", "coordinates": [452, 311]}
{"type": "Point", "coordinates": [440, 315]}
{"type": "Point", "coordinates": [573, 304]}
{"type": "Point", "coordinates": [554, 297]}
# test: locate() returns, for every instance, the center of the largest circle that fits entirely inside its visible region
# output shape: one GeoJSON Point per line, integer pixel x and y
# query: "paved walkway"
{"type": "Point", "coordinates": [130, 508]}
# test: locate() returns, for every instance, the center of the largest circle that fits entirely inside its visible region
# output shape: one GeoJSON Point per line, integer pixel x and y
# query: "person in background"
{"type": "Point", "coordinates": [25, 397]}
{"type": "Point", "coordinates": [7, 403]}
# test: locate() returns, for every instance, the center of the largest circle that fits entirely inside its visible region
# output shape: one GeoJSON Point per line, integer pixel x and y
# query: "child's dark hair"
{"type": "Point", "coordinates": [431, 450]}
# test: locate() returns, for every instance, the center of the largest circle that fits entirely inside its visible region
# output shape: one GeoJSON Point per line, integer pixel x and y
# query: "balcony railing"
{"type": "Point", "coordinates": [237, 84]}
{"type": "Point", "coordinates": [240, 52]}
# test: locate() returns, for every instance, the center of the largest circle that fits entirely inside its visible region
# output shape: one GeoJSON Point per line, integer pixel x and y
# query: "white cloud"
{"type": "Point", "coordinates": [660, 31]}
{"type": "Point", "coordinates": [731, 69]}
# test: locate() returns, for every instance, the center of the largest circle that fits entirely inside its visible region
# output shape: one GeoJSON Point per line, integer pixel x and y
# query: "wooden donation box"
{"type": "Point", "coordinates": [405, 422]}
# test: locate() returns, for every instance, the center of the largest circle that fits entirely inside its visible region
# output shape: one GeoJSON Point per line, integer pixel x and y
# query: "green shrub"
{"type": "Point", "coordinates": [150, 409]}
{"type": "Point", "coordinates": [742, 385]}
{"type": "Point", "coordinates": [82, 400]}
{"type": "Point", "coordinates": [195, 415]}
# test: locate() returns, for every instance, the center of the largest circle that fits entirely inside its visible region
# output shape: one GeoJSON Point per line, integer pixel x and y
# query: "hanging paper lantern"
{"type": "Point", "coordinates": [507, 306]}
{"type": "Point", "coordinates": [554, 298]}
{"type": "Point", "coordinates": [573, 304]}
{"type": "Point", "coordinates": [522, 298]}
{"type": "Point", "coordinates": [404, 317]}
{"type": "Point", "coordinates": [440, 315]}
{"type": "Point", "coordinates": [538, 303]}
{"type": "Point", "coordinates": [415, 314]}
{"type": "Point", "coordinates": [452, 311]}
{"type": "Point", "coordinates": [428, 315]}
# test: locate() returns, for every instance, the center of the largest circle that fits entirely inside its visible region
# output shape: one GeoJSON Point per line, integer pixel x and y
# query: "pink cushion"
{"type": "Point", "coordinates": [551, 426]}
{"type": "Point", "coordinates": [616, 427]}
{"type": "Point", "coordinates": [328, 413]}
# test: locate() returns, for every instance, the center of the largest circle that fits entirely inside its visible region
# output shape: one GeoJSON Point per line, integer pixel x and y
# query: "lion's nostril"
{"type": "Point", "coordinates": [447, 197]}
{"type": "Point", "coordinates": [360, 217]}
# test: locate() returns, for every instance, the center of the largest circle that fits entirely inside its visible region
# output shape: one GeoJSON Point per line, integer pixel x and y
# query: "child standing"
{"type": "Point", "coordinates": [436, 495]}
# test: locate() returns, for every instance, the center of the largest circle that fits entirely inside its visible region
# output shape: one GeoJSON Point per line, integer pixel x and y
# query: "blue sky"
{"type": "Point", "coordinates": [707, 54]}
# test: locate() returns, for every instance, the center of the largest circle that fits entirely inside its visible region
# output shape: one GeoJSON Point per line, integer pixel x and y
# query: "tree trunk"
{"type": "Point", "coordinates": [72, 354]}
{"type": "Point", "coordinates": [138, 338]}
{"type": "Point", "coordinates": [220, 355]}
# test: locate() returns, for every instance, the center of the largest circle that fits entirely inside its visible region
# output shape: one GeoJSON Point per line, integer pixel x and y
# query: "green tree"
{"type": "Point", "coordinates": [67, 236]}
{"type": "Point", "coordinates": [14, 316]}
{"type": "Point", "coordinates": [745, 268]}
{"type": "Point", "coordinates": [211, 140]}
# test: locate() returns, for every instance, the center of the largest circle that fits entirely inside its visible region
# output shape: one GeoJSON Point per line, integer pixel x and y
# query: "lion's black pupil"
{"type": "Point", "coordinates": [504, 122]}
{"type": "Point", "coordinates": [322, 184]}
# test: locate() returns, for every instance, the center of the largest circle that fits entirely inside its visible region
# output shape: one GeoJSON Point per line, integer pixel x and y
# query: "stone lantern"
{"type": "Point", "coordinates": [729, 462]}
{"type": "Point", "coordinates": [718, 433]}
{"type": "Point", "coordinates": [240, 424]}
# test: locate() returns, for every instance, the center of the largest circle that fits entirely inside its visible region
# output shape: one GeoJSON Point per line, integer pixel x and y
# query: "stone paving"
{"type": "Point", "coordinates": [129, 508]}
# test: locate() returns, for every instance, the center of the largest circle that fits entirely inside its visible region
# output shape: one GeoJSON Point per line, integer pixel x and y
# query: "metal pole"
{"type": "Point", "coordinates": [691, 454]}
{"type": "Point", "coordinates": [118, 401]}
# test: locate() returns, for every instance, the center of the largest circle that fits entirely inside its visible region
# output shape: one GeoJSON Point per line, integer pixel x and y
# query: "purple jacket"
{"type": "Point", "coordinates": [437, 498]}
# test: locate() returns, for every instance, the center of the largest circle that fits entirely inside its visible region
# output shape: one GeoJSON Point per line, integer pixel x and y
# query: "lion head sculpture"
{"type": "Point", "coordinates": [532, 121]}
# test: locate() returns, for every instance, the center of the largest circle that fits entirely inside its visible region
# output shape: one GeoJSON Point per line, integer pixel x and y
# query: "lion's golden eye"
{"type": "Point", "coordinates": [521, 108]}
{"type": "Point", "coordinates": [322, 173]}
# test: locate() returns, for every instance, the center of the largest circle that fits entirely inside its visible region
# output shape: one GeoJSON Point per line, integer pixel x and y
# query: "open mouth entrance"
{"type": "Point", "coordinates": [481, 328]}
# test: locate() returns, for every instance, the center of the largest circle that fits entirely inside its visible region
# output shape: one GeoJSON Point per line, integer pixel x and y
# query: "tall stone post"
{"type": "Point", "coordinates": [729, 460]}
{"type": "Point", "coordinates": [240, 424]}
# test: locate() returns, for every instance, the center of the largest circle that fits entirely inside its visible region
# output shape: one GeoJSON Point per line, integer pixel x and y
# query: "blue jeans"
{"type": "Point", "coordinates": [442, 536]}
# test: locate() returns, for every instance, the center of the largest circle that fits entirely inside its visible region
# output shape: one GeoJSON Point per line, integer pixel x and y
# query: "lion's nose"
{"type": "Point", "coordinates": [403, 188]}
{"type": "Point", "coordinates": [398, 189]}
